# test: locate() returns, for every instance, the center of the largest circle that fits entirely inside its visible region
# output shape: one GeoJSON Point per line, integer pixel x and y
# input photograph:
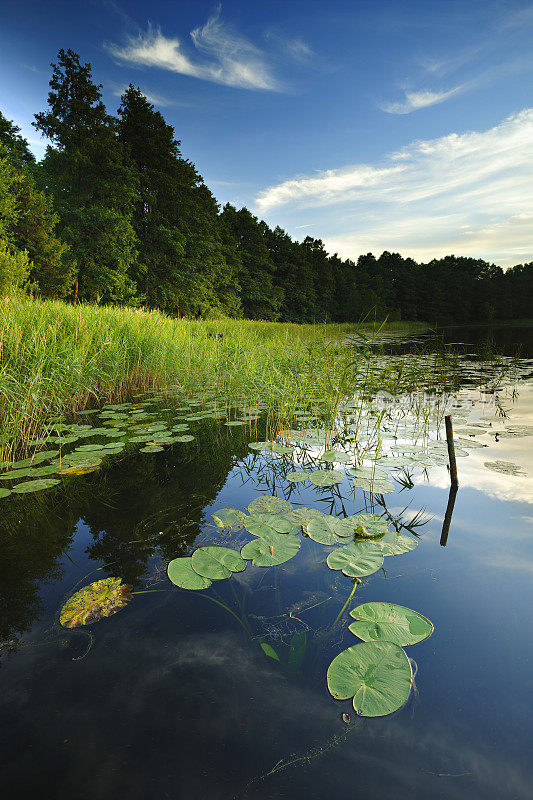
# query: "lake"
{"type": "Point", "coordinates": [221, 692]}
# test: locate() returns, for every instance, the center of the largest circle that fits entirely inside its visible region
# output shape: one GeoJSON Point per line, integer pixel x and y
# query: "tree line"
{"type": "Point", "coordinates": [114, 213]}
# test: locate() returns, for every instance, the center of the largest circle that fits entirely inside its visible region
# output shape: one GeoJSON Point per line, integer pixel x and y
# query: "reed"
{"type": "Point", "coordinates": [59, 358]}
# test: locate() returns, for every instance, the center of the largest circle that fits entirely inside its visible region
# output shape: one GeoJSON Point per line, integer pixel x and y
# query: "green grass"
{"type": "Point", "coordinates": [58, 358]}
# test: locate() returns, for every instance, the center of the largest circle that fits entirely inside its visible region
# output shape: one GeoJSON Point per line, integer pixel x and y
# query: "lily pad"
{"type": "Point", "coordinates": [387, 622]}
{"type": "Point", "coordinates": [338, 456]}
{"type": "Point", "coordinates": [504, 467]}
{"type": "Point", "coordinates": [34, 486]}
{"type": "Point", "coordinates": [368, 526]}
{"type": "Point", "coordinates": [376, 674]}
{"type": "Point", "coordinates": [375, 485]}
{"type": "Point", "coordinates": [229, 518]}
{"type": "Point", "coordinates": [264, 525]}
{"type": "Point", "coordinates": [368, 472]}
{"type": "Point", "coordinates": [181, 573]}
{"type": "Point", "coordinates": [393, 544]}
{"type": "Point", "coordinates": [326, 529]}
{"type": "Point", "coordinates": [216, 563]}
{"type": "Point", "coordinates": [277, 549]}
{"type": "Point", "coordinates": [4, 492]}
{"type": "Point", "coordinates": [326, 477]}
{"type": "Point", "coordinates": [268, 504]}
{"type": "Point", "coordinates": [296, 477]}
{"type": "Point", "coordinates": [357, 559]}
{"type": "Point", "coordinates": [99, 599]}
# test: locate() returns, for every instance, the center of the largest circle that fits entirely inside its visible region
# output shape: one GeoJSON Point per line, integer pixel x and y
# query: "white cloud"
{"type": "Point", "coordinates": [415, 100]}
{"type": "Point", "coordinates": [222, 55]}
{"type": "Point", "coordinates": [469, 194]}
{"type": "Point", "coordinates": [155, 99]}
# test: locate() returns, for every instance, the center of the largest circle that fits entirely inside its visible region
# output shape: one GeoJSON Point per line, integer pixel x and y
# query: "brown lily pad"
{"type": "Point", "coordinates": [99, 599]}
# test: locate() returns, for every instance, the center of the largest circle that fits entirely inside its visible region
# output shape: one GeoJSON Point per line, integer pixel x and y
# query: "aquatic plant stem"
{"type": "Point", "coordinates": [356, 581]}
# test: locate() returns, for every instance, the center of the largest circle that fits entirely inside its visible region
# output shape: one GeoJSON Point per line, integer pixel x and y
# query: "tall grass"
{"type": "Point", "coordinates": [59, 358]}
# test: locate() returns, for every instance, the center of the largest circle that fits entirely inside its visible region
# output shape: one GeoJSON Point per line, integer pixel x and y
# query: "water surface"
{"type": "Point", "coordinates": [173, 696]}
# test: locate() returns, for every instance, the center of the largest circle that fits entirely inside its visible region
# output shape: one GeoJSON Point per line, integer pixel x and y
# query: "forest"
{"type": "Point", "coordinates": [116, 214]}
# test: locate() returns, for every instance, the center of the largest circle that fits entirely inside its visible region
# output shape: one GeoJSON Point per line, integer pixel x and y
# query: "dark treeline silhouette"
{"type": "Point", "coordinates": [115, 214]}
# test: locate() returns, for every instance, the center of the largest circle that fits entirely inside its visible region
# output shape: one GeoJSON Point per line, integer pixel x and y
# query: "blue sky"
{"type": "Point", "coordinates": [402, 126]}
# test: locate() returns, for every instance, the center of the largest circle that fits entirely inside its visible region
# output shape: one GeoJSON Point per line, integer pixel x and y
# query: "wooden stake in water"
{"type": "Point", "coordinates": [451, 451]}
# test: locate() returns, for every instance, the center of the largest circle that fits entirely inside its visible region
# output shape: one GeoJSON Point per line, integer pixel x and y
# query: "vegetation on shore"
{"type": "Point", "coordinates": [61, 358]}
{"type": "Point", "coordinates": [115, 213]}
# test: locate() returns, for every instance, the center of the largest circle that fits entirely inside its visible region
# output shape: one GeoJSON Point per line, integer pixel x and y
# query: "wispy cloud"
{"type": "Point", "coordinates": [415, 100]}
{"type": "Point", "coordinates": [219, 54]}
{"type": "Point", "coordinates": [469, 193]}
{"type": "Point", "coordinates": [152, 97]}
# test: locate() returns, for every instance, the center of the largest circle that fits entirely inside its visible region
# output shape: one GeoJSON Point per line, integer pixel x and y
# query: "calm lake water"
{"type": "Point", "coordinates": [174, 697]}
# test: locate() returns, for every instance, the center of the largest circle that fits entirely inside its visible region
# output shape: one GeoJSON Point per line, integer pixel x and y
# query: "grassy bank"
{"type": "Point", "coordinates": [62, 358]}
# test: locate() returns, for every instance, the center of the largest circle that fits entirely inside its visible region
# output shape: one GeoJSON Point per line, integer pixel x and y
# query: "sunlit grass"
{"type": "Point", "coordinates": [58, 358]}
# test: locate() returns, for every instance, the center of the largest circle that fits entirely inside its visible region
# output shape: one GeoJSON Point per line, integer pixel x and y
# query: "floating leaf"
{"type": "Point", "coordinates": [387, 622]}
{"type": "Point", "coordinates": [4, 492]}
{"type": "Point", "coordinates": [326, 529]}
{"type": "Point", "coordinates": [151, 449]}
{"type": "Point", "coordinates": [368, 526]}
{"type": "Point", "coordinates": [268, 504]}
{"type": "Point", "coordinates": [265, 524]}
{"type": "Point", "coordinates": [276, 549]}
{"type": "Point", "coordinates": [505, 467]}
{"type": "Point", "coordinates": [185, 438]}
{"type": "Point", "coordinates": [181, 573]}
{"type": "Point", "coordinates": [229, 518]}
{"type": "Point", "coordinates": [377, 486]}
{"type": "Point", "coordinates": [216, 563]}
{"type": "Point", "coordinates": [338, 456]}
{"type": "Point", "coordinates": [368, 472]}
{"type": "Point", "coordinates": [357, 559]}
{"type": "Point", "coordinates": [393, 544]}
{"type": "Point", "coordinates": [326, 477]}
{"type": "Point", "coordinates": [376, 674]}
{"type": "Point", "coordinates": [296, 477]}
{"type": "Point", "coordinates": [34, 486]}
{"type": "Point", "coordinates": [99, 599]}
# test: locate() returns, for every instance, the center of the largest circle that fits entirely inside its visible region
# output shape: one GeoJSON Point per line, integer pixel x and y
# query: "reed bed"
{"type": "Point", "coordinates": [59, 358]}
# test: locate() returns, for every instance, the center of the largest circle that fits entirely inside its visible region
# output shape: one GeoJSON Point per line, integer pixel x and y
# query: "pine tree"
{"type": "Point", "coordinates": [182, 262]}
{"type": "Point", "coordinates": [92, 183]}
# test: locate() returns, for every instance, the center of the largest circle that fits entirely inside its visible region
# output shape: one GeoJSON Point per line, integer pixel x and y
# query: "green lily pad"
{"type": "Point", "coordinates": [357, 559]}
{"type": "Point", "coordinates": [34, 486]}
{"type": "Point", "coordinates": [387, 622]}
{"type": "Point", "coordinates": [368, 526]}
{"type": "Point", "coordinates": [326, 529]}
{"type": "Point", "coordinates": [268, 504]}
{"type": "Point", "coordinates": [264, 525]}
{"type": "Point", "coordinates": [181, 573]}
{"type": "Point", "coordinates": [185, 438]}
{"type": "Point", "coordinates": [393, 544]}
{"type": "Point", "coordinates": [368, 472]}
{"type": "Point", "coordinates": [229, 518]}
{"type": "Point", "coordinates": [4, 492]}
{"type": "Point", "coordinates": [326, 477]}
{"type": "Point", "coordinates": [338, 456]}
{"type": "Point", "coordinates": [99, 599]}
{"type": "Point", "coordinates": [376, 674]}
{"type": "Point", "coordinates": [375, 485]}
{"type": "Point", "coordinates": [296, 477]}
{"type": "Point", "coordinates": [216, 563]}
{"type": "Point", "coordinates": [276, 549]}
